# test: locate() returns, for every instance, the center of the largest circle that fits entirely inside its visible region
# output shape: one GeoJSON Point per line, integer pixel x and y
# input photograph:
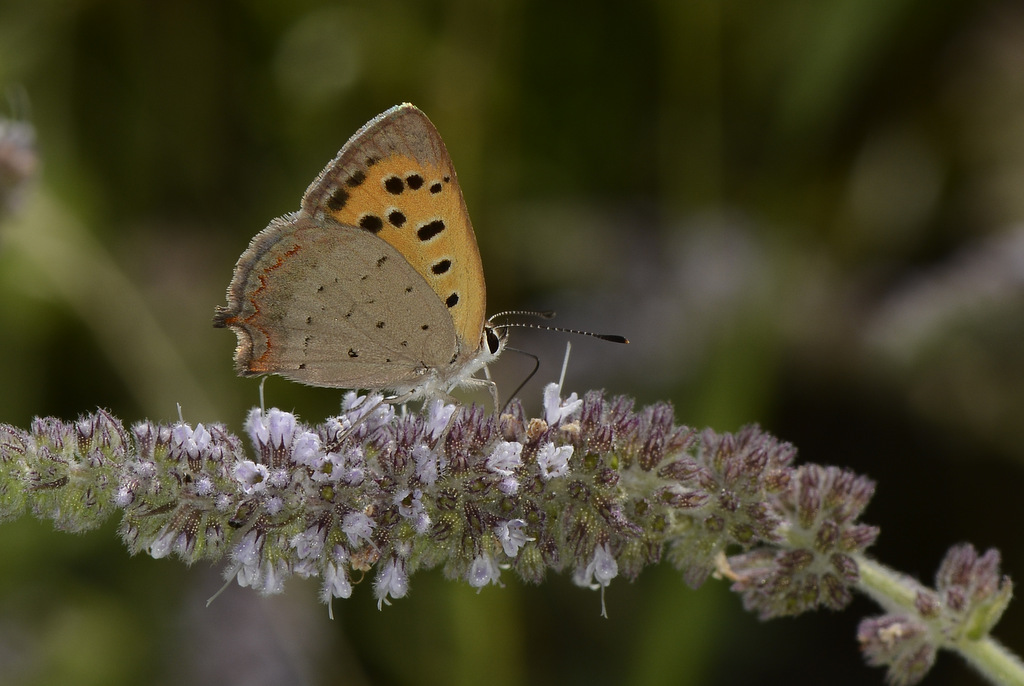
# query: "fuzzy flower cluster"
{"type": "Point", "coordinates": [593, 487]}
{"type": "Point", "coordinates": [969, 597]}
{"type": "Point", "coordinates": [816, 566]}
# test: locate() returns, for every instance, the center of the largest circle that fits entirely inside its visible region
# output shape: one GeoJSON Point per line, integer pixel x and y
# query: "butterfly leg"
{"type": "Point", "coordinates": [492, 388]}
{"type": "Point", "coordinates": [394, 400]}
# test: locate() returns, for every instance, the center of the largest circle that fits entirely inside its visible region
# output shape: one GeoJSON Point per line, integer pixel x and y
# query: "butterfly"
{"type": "Point", "coordinates": [376, 282]}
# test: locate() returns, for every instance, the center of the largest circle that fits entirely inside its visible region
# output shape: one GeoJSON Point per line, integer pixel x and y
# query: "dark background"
{"type": "Point", "coordinates": [802, 214]}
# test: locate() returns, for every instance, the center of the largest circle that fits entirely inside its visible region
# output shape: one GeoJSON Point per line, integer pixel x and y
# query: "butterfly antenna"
{"type": "Point", "coordinates": [549, 314]}
{"type": "Point", "coordinates": [612, 338]}
{"type": "Point", "coordinates": [536, 366]}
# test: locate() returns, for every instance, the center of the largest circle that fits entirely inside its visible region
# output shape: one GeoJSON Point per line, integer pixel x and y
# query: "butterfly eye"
{"type": "Point", "coordinates": [492, 340]}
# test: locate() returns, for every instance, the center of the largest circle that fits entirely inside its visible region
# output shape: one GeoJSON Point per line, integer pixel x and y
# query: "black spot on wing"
{"type": "Point", "coordinates": [371, 223]}
{"type": "Point", "coordinates": [396, 218]}
{"type": "Point", "coordinates": [441, 267]}
{"type": "Point", "coordinates": [428, 231]}
{"type": "Point", "coordinates": [337, 200]}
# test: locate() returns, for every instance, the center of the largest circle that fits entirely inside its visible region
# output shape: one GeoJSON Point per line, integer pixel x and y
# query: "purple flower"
{"type": "Point", "coordinates": [336, 583]}
{"type": "Point", "coordinates": [505, 458]}
{"type": "Point", "coordinates": [251, 477]}
{"type": "Point", "coordinates": [600, 571]}
{"type": "Point", "coordinates": [512, 536]}
{"type": "Point", "coordinates": [306, 449]}
{"type": "Point", "coordinates": [483, 571]}
{"type": "Point", "coordinates": [410, 506]}
{"type": "Point", "coordinates": [391, 581]}
{"type": "Point", "coordinates": [438, 416]}
{"type": "Point", "coordinates": [553, 462]}
{"type": "Point", "coordinates": [356, 526]}
{"type": "Point", "coordinates": [555, 409]}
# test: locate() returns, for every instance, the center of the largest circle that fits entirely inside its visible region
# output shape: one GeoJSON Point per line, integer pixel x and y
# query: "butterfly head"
{"type": "Point", "coordinates": [464, 365]}
{"type": "Point", "coordinates": [493, 340]}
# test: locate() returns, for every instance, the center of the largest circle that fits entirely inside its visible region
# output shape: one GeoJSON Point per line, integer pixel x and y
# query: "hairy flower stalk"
{"type": "Point", "coordinates": [593, 488]}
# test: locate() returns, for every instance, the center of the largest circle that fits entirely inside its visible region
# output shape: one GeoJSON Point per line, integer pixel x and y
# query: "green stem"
{"type": "Point", "coordinates": [895, 592]}
{"type": "Point", "coordinates": [992, 659]}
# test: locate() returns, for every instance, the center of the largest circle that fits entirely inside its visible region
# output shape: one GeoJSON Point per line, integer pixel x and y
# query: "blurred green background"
{"type": "Point", "coordinates": [802, 214]}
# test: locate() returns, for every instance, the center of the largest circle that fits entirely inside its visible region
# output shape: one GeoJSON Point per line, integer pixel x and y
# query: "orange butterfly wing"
{"type": "Point", "coordinates": [394, 178]}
